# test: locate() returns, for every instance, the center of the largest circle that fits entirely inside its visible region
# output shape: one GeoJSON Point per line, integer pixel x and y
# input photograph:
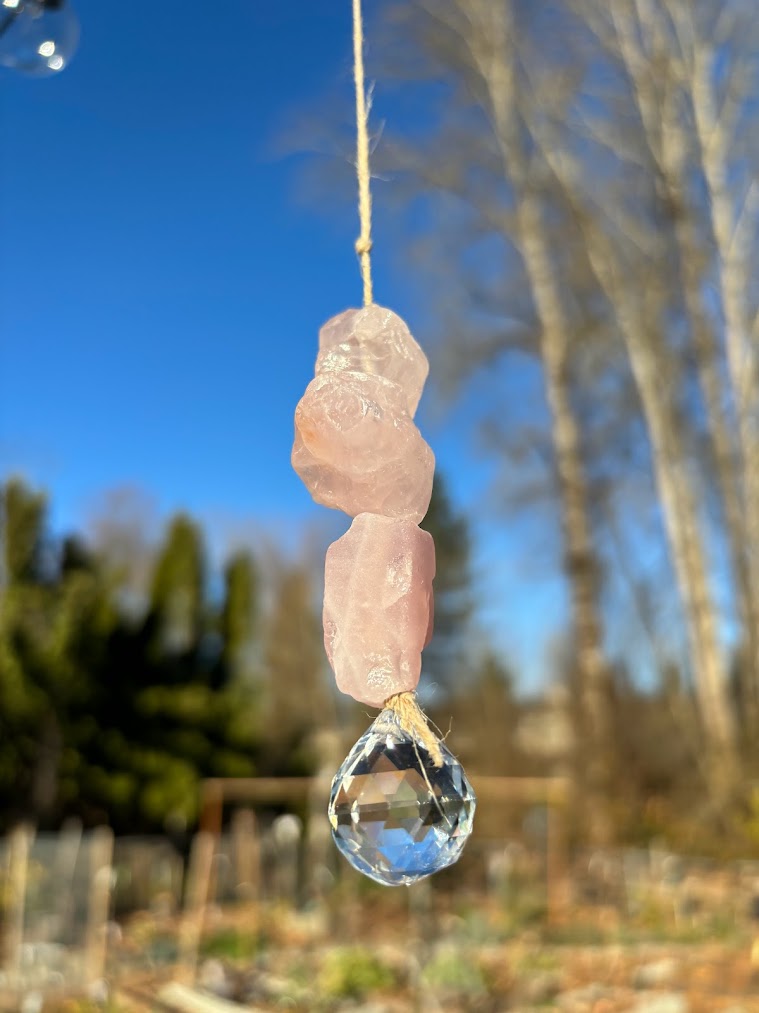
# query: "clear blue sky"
{"type": "Point", "coordinates": [161, 288]}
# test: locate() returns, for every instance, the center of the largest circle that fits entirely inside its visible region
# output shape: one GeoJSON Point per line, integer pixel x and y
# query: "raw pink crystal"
{"type": "Point", "coordinates": [374, 340]}
{"type": "Point", "coordinates": [357, 449]}
{"type": "Point", "coordinates": [377, 606]}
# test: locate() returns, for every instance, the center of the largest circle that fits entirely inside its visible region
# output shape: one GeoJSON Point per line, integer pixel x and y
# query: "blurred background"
{"type": "Point", "coordinates": [566, 212]}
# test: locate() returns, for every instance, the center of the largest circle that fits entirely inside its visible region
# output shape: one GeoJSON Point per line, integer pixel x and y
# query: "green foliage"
{"type": "Point", "coordinates": [111, 713]}
{"type": "Point", "coordinates": [295, 670]}
{"type": "Point", "coordinates": [453, 585]}
{"type": "Point", "coordinates": [238, 610]}
{"type": "Point", "coordinates": [23, 517]}
{"type": "Point", "coordinates": [534, 961]}
{"type": "Point", "coordinates": [122, 687]}
{"type": "Point", "coordinates": [452, 971]}
{"type": "Point", "coordinates": [352, 973]}
{"type": "Point", "coordinates": [178, 587]}
{"type": "Point", "coordinates": [232, 944]}
{"type": "Point", "coordinates": [54, 623]}
{"type": "Point", "coordinates": [751, 821]}
{"type": "Point", "coordinates": [91, 1006]}
{"type": "Point", "coordinates": [575, 934]}
{"type": "Point", "coordinates": [171, 709]}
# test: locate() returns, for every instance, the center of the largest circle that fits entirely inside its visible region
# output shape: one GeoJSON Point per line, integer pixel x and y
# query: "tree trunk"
{"type": "Point", "coordinates": [492, 53]}
{"type": "Point", "coordinates": [669, 144]}
{"type": "Point", "coordinates": [649, 360]}
{"type": "Point", "coordinates": [727, 468]}
{"type": "Point", "coordinates": [580, 560]}
{"type": "Point", "coordinates": [682, 525]}
{"type": "Point", "coordinates": [733, 280]}
{"type": "Point", "coordinates": [45, 776]}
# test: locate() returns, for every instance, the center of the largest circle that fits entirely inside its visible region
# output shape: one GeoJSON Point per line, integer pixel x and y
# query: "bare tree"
{"type": "Point", "coordinates": [731, 37]}
{"type": "Point", "coordinates": [671, 76]}
{"type": "Point", "coordinates": [627, 258]}
{"type": "Point", "coordinates": [625, 169]}
{"type": "Point", "coordinates": [482, 36]}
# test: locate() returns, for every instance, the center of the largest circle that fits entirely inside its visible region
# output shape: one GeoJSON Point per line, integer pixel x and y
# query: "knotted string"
{"type": "Point", "coordinates": [408, 712]}
{"type": "Point", "coordinates": [412, 719]}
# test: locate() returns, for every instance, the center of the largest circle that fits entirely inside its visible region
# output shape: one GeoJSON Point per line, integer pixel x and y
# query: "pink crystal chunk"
{"type": "Point", "coordinates": [378, 606]}
{"type": "Point", "coordinates": [357, 449]}
{"type": "Point", "coordinates": [374, 340]}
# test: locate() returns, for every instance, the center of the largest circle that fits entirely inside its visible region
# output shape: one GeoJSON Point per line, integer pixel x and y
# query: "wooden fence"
{"type": "Point", "coordinates": [61, 894]}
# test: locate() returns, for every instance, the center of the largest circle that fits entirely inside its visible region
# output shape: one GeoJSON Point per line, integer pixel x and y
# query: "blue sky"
{"type": "Point", "coordinates": [162, 289]}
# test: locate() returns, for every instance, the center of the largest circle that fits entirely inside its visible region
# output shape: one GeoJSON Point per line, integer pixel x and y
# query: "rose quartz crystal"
{"type": "Point", "coordinates": [374, 340]}
{"type": "Point", "coordinates": [357, 449]}
{"type": "Point", "coordinates": [378, 606]}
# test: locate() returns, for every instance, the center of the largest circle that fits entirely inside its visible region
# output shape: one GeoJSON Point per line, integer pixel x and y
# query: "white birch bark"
{"type": "Point", "coordinates": [681, 520]}
{"type": "Point", "coordinates": [731, 231]}
{"type": "Point", "coordinates": [653, 373]}
{"type": "Point", "coordinates": [670, 147]}
{"type": "Point", "coordinates": [490, 45]}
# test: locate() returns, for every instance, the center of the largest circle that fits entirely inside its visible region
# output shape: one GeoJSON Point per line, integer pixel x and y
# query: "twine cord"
{"type": "Point", "coordinates": [408, 712]}
{"type": "Point", "coordinates": [364, 241]}
{"type": "Point", "coordinates": [412, 720]}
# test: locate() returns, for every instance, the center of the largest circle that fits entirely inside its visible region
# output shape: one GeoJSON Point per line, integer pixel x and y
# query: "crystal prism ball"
{"type": "Point", "coordinates": [394, 815]}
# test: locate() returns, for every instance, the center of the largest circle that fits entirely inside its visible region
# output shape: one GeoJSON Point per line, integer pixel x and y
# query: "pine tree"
{"type": "Point", "coordinates": [54, 621]}
{"type": "Point", "coordinates": [297, 698]}
{"type": "Point", "coordinates": [445, 657]}
{"type": "Point", "coordinates": [168, 709]}
{"type": "Point", "coordinates": [238, 615]}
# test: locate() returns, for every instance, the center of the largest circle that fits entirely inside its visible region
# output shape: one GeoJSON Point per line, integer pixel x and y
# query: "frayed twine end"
{"type": "Point", "coordinates": [412, 719]}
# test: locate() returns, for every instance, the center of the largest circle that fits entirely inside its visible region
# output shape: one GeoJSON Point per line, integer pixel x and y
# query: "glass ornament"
{"type": "Point", "coordinates": [37, 37]}
{"type": "Point", "coordinates": [395, 816]}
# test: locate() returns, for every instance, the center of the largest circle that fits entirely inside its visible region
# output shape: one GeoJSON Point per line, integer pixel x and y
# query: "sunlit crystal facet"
{"type": "Point", "coordinates": [357, 449]}
{"type": "Point", "coordinates": [394, 815]}
{"type": "Point", "coordinates": [374, 340]}
{"type": "Point", "coordinates": [378, 606]}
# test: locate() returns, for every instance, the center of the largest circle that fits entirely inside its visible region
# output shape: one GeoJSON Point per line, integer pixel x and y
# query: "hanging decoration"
{"type": "Point", "coordinates": [37, 37]}
{"type": "Point", "coordinates": [401, 806]}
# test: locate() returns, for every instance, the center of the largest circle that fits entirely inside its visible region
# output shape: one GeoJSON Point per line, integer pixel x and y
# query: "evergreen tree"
{"type": "Point", "coordinates": [115, 714]}
{"type": "Point", "coordinates": [238, 614]}
{"type": "Point", "coordinates": [454, 599]}
{"type": "Point", "coordinates": [177, 592]}
{"type": "Point", "coordinates": [169, 710]}
{"type": "Point", "coordinates": [54, 622]}
{"type": "Point", "coordinates": [295, 667]}
{"type": "Point", "coordinates": [23, 532]}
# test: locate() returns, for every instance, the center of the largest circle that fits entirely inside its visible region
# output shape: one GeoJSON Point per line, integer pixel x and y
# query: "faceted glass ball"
{"type": "Point", "coordinates": [37, 37]}
{"type": "Point", "coordinates": [394, 815]}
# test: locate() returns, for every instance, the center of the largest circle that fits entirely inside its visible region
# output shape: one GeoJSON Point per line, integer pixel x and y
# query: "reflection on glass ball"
{"type": "Point", "coordinates": [37, 37]}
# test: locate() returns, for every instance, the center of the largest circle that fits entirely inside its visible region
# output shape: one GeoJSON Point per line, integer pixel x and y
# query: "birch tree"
{"type": "Point", "coordinates": [622, 252]}
{"type": "Point", "coordinates": [668, 51]}
{"type": "Point", "coordinates": [721, 113]}
{"type": "Point", "coordinates": [629, 163]}
{"type": "Point", "coordinates": [483, 37]}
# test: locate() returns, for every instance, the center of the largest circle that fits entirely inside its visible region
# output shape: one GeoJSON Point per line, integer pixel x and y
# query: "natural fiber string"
{"type": "Point", "coordinates": [410, 716]}
{"type": "Point", "coordinates": [412, 720]}
{"type": "Point", "coordinates": [364, 241]}
{"type": "Point", "coordinates": [403, 705]}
